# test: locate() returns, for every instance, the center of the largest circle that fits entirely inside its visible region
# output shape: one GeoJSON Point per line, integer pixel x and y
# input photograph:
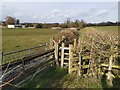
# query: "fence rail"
{"type": "Point", "coordinates": [12, 52]}
{"type": "Point", "coordinates": [113, 66]}
{"type": "Point", "coordinates": [17, 71]}
{"type": "Point", "coordinates": [20, 54]}
{"type": "Point", "coordinates": [25, 60]}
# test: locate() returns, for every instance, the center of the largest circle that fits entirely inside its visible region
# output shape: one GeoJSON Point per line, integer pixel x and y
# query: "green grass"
{"type": "Point", "coordinates": [58, 78]}
{"type": "Point", "coordinates": [112, 30]}
{"type": "Point", "coordinates": [46, 79]}
{"type": "Point", "coordinates": [15, 39]}
{"type": "Point", "coordinates": [107, 28]}
{"type": "Point", "coordinates": [52, 77]}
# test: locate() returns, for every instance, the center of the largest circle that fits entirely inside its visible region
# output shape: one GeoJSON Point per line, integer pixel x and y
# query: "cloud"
{"type": "Point", "coordinates": [56, 11]}
{"type": "Point", "coordinates": [102, 12]}
{"type": "Point", "coordinates": [35, 17]}
{"type": "Point", "coordinates": [95, 13]}
{"type": "Point", "coordinates": [19, 14]}
{"type": "Point", "coordinates": [58, 14]}
{"type": "Point", "coordinates": [53, 16]}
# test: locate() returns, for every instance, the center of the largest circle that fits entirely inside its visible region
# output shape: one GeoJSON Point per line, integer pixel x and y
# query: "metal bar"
{"type": "Point", "coordinates": [21, 56]}
{"type": "Point", "coordinates": [28, 72]}
{"type": "Point", "coordinates": [24, 49]}
{"type": "Point", "coordinates": [25, 60]}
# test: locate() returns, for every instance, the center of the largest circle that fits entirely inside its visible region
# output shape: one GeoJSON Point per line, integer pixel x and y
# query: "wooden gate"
{"type": "Point", "coordinates": [82, 64]}
{"type": "Point", "coordinates": [69, 58]}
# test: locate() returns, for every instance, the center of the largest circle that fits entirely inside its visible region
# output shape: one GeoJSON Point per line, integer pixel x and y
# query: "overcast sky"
{"type": "Point", "coordinates": [60, 11]}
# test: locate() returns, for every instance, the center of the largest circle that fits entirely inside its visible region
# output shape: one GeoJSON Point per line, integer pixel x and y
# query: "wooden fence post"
{"type": "Point", "coordinates": [79, 45]}
{"type": "Point", "coordinates": [62, 54]}
{"type": "Point", "coordinates": [91, 62]}
{"type": "Point", "coordinates": [75, 43]}
{"type": "Point", "coordinates": [79, 71]}
{"type": "Point", "coordinates": [79, 48]}
{"type": "Point", "coordinates": [56, 53]}
{"type": "Point", "coordinates": [109, 77]}
{"type": "Point", "coordinates": [70, 58]}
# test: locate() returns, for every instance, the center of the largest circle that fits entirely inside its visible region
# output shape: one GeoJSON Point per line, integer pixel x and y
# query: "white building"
{"type": "Point", "coordinates": [16, 26]}
{"type": "Point", "coordinates": [11, 26]}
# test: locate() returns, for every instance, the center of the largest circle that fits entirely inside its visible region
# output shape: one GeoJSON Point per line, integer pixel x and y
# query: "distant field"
{"type": "Point", "coordinates": [15, 39]}
{"type": "Point", "coordinates": [109, 29]}
{"type": "Point", "coordinates": [106, 29]}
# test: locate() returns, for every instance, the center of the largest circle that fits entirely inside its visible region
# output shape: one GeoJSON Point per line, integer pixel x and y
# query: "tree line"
{"type": "Point", "coordinates": [67, 24]}
{"type": "Point", "coordinates": [108, 23]}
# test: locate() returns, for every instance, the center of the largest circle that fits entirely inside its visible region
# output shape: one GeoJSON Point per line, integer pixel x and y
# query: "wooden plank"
{"type": "Point", "coordinates": [65, 63]}
{"type": "Point", "coordinates": [74, 69]}
{"type": "Point", "coordinates": [65, 48]}
{"type": "Point", "coordinates": [66, 53]}
{"type": "Point", "coordinates": [70, 58]}
{"type": "Point", "coordinates": [92, 61]}
{"type": "Point", "coordinates": [66, 58]}
{"type": "Point", "coordinates": [85, 57]}
{"type": "Point", "coordinates": [113, 66]}
{"type": "Point", "coordinates": [109, 77]}
{"type": "Point", "coordinates": [79, 71]}
{"type": "Point", "coordinates": [75, 43]}
{"type": "Point", "coordinates": [56, 53]}
{"type": "Point", "coordinates": [62, 55]}
{"type": "Point", "coordinates": [85, 66]}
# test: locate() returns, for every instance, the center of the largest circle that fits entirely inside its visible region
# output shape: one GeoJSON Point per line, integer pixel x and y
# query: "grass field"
{"type": "Point", "coordinates": [15, 39]}
{"type": "Point", "coordinates": [108, 29]}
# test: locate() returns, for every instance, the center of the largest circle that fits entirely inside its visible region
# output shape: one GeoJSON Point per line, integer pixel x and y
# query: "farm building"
{"type": "Point", "coordinates": [15, 26]}
{"type": "Point", "coordinates": [19, 26]}
{"type": "Point", "coordinates": [11, 26]}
